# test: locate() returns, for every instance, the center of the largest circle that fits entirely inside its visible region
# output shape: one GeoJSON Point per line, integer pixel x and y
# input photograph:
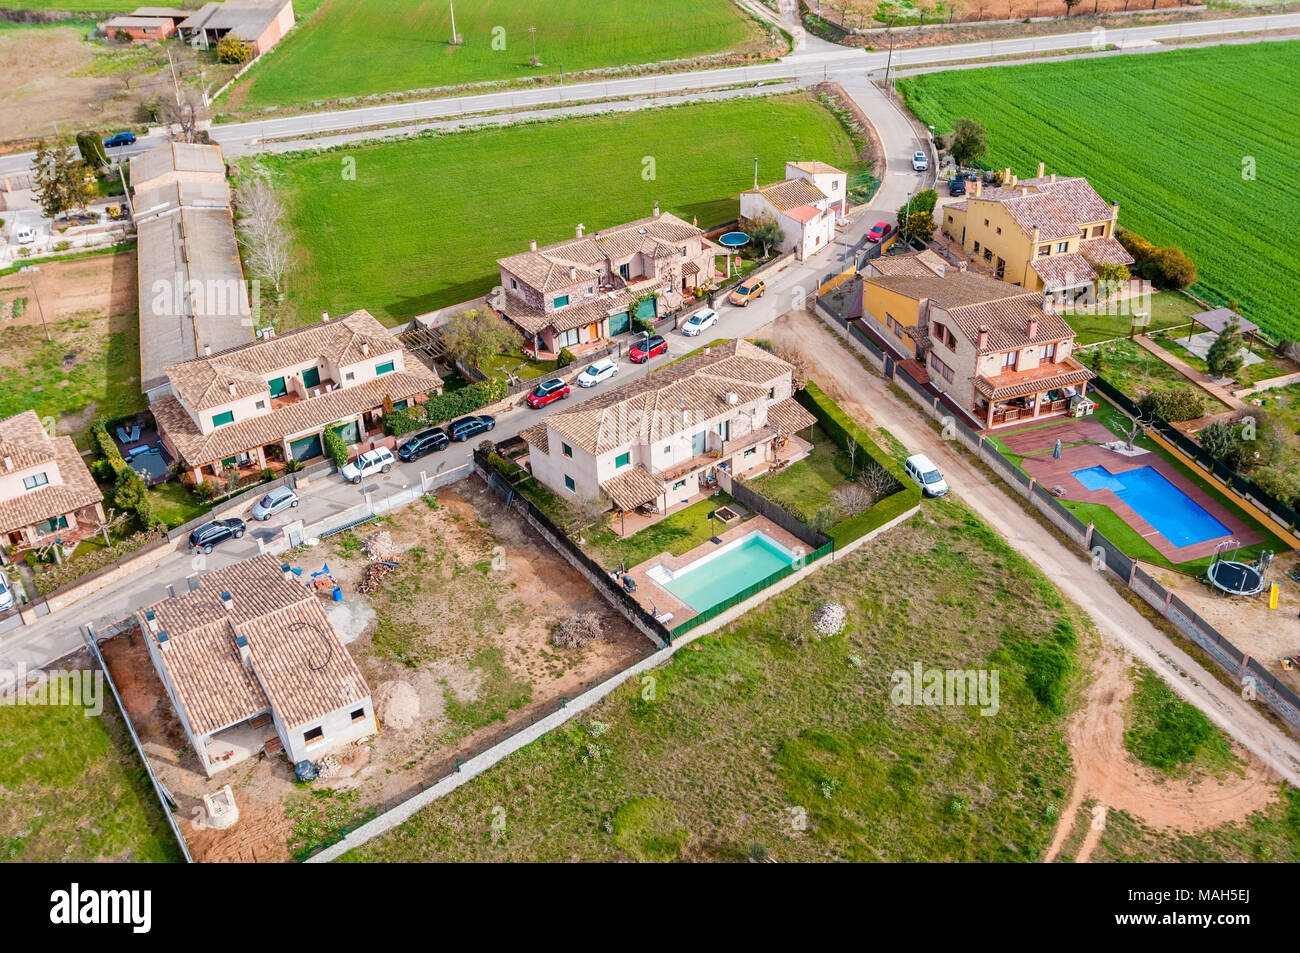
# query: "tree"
{"type": "Point", "coordinates": [63, 181]}
{"type": "Point", "coordinates": [766, 232]}
{"type": "Point", "coordinates": [925, 8]}
{"type": "Point", "coordinates": [1171, 268]}
{"type": "Point", "coordinates": [918, 225]}
{"type": "Point", "coordinates": [1221, 440]}
{"type": "Point", "coordinates": [473, 336]}
{"type": "Point", "coordinates": [852, 499]}
{"type": "Point", "coordinates": [923, 201]}
{"type": "Point", "coordinates": [1280, 484]}
{"type": "Point", "coordinates": [91, 148]}
{"type": "Point", "coordinates": [130, 493]}
{"type": "Point", "coordinates": [1110, 279]}
{"type": "Point", "coordinates": [335, 448]}
{"type": "Point", "coordinates": [1224, 356]}
{"type": "Point", "coordinates": [186, 116]}
{"type": "Point", "coordinates": [878, 481]}
{"type": "Point", "coordinates": [1070, 5]}
{"type": "Point", "coordinates": [231, 49]}
{"type": "Point", "coordinates": [970, 141]}
{"type": "Point", "coordinates": [267, 244]}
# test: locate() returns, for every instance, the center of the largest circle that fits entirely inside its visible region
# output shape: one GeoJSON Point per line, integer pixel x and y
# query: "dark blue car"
{"type": "Point", "coordinates": [119, 139]}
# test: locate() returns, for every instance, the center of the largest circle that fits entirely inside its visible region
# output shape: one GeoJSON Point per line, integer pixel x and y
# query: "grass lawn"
{"type": "Point", "coordinates": [1271, 835]}
{"type": "Point", "coordinates": [75, 789]}
{"type": "Point", "coordinates": [805, 487]}
{"type": "Point", "coordinates": [1133, 369]}
{"type": "Point", "coordinates": [676, 534]}
{"type": "Point", "coordinates": [405, 44]}
{"type": "Point", "coordinates": [520, 363]}
{"type": "Point", "coordinates": [175, 505]}
{"type": "Point", "coordinates": [422, 224]}
{"type": "Point", "coordinates": [749, 738]}
{"type": "Point", "coordinates": [1168, 309]}
{"type": "Point", "coordinates": [1211, 172]}
{"type": "Point", "coordinates": [1271, 366]}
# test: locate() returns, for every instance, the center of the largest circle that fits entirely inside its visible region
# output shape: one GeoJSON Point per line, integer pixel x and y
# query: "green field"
{"type": "Point", "coordinates": [1168, 135]}
{"type": "Point", "coordinates": [388, 46]}
{"type": "Point", "coordinates": [423, 222]}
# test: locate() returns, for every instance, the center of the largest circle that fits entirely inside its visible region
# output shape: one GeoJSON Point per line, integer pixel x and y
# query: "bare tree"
{"type": "Point", "coordinates": [879, 481]}
{"type": "Point", "coordinates": [263, 235]}
{"type": "Point", "coordinates": [579, 630]}
{"type": "Point", "coordinates": [186, 116]}
{"type": "Point", "coordinates": [1134, 427]}
{"type": "Point", "coordinates": [852, 499]}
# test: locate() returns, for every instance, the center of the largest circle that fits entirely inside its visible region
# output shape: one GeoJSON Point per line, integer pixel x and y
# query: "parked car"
{"type": "Point", "coordinates": [602, 370]}
{"type": "Point", "coordinates": [218, 531]}
{"type": "Point", "coordinates": [6, 592]}
{"type": "Point", "coordinates": [378, 460]}
{"type": "Point", "coordinates": [651, 347]}
{"type": "Point", "coordinates": [747, 292]}
{"type": "Point", "coordinates": [879, 231]}
{"type": "Point", "coordinates": [124, 138]}
{"type": "Point", "coordinates": [547, 391]}
{"type": "Point", "coordinates": [426, 441]}
{"type": "Point", "coordinates": [467, 427]}
{"type": "Point", "coordinates": [919, 162]}
{"type": "Point", "coordinates": [957, 185]}
{"type": "Point", "coordinates": [24, 234]}
{"type": "Point", "coordinates": [699, 321]}
{"type": "Point", "coordinates": [926, 475]}
{"type": "Point", "coordinates": [280, 499]}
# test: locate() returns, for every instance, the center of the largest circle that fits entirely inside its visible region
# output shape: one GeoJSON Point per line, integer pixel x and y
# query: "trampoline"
{"type": "Point", "coordinates": [734, 240]}
{"type": "Point", "coordinates": [1235, 577]}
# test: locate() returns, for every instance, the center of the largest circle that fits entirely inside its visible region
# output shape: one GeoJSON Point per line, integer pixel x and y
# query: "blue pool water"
{"type": "Point", "coordinates": [733, 568]}
{"type": "Point", "coordinates": [1168, 509]}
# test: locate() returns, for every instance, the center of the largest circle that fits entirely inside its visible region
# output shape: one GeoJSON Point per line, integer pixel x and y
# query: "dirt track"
{"type": "Point", "coordinates": [1097, 741]}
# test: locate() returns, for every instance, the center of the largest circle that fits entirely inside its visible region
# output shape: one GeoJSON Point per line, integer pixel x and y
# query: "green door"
{"type": "Point", "coordinates": [308, 448]}
{"type": "Point", "coordinates": [351, 433]}
{"type": "Point", "coordinates": [619, 323]}
{"type": "Point", "coordinates": [311, 378]}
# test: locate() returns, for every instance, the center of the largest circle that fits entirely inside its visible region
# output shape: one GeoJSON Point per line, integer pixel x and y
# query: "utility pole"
{"type": "Point", "coordinates": [37, 295]}
{"type": "Point", "coordinates": [532, 35]}
{"type": "Point", "coordinates": [175, 81]}
{"type": "Point", "coordinates": [452, 5]}
{"type": "Point", "coordinates": [889, 62]}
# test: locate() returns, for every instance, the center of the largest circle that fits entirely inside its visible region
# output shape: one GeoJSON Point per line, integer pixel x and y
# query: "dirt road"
{"type": "Point", "coordinates": [867, 397]}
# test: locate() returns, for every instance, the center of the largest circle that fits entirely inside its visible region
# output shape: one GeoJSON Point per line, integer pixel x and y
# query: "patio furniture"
{"type": "Point", "coordinates": [122, 435]}
{"type": "Point", "coordinates": [1058, 490]}
{"type": "Point", "coordinates": [135, 434]}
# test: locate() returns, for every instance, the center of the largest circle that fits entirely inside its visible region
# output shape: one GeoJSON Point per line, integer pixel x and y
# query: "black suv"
{"type": "Point", "coordinates": [957, 185]}
{"type": "Point", "coordinates": [218, 531]}
{"type": "Point", "coordinates": [467, 427]}
{"type": "Point", "coordinates": [424, 442]}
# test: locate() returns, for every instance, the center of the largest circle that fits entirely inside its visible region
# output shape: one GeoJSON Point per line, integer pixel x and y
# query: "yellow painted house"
{"type": "Point", "coordinates": [1046, 233]}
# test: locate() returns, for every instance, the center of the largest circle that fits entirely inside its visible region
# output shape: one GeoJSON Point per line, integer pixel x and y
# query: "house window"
{"type": "Point", "coordinates": [679, 484]}
{"type": "Point", "coordinates": [750, 452]}
{"type": "Point", "coordinates": [566, 450]}
{"type": "Point", "coordinates": [313, 735]}
{"type": "Point", "coordinates": [514, 284]}
{"type": "Point", "coordinates": [1044, 251]}
{"type": "Point", "coordinates": [52, 525]}
{"type": "Point", "coordinates": [683, 251]}
{"type": "Point", "coordinates": [560, 302]}
{"type": "Point", "coordinates": [771, 393]}
{"type": "Point", "coordinates": [835, 185]}
{"type": "Point", "coordinates": [223, 418]}
{"type": "Point", "coordinates": [625, 271]}
{"type": "Point", "coordinates": [358, 715]}
{"type": "Point", "coordinates": [570, 485]}
{"type": "Point", "coordinates": [988, 254]}
{"type": "Point", "coordinates": [1062, 247]}
{"type": "Point", "coordinates": [1098, 231]}
{"type": "Point", "coordinates": [898, 330]}
{"type": "Point", "coordinates": [999, 229]}
{"type": "Point", "coordinates": [38, 479]}
{"type": "Point", "coordinates": [1009, 359]}
{"type": "Point", "coordinates": [260, 405]}
{"type": "Point", "coordinates": [977, 246]}
{"type": "Point", "coordinates": [622, 460]}
{"type": "Point", "coordinates": [986, 223]}
{"type": "Point", "coordinates": [1047, 352]}
{"type": "Point", "coordinates": [350, 376]}
{"type": "Point", "coordinates": [567, 338]}
{"type": "Point", "coordinates": [1084, 233]}
{"type": "Point", "coordinates": [940, 368]}
{"type": "Point", "coordinates": [385, 368]}
{"type": "Point", "coordinates": [949, 219]}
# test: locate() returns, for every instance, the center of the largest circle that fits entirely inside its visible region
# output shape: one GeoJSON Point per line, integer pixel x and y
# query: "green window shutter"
{"type": "Point", "coordinates": [278, 387]}
{"type": "Point", "coordinates": [384, 368]}
{"type": "Point", "coordinates": [223, 418]}
{"type": "Point", "coordinates": [561, 301]}
{"type": "Point", "coordinates": [622, 460]}
{"type": "Point", "coordinates": [311, 377]}
{"type": "Point", "coordinates": [400, 405]}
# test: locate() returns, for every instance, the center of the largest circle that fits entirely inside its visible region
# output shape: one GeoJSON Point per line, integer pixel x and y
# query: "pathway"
{"type": "Point", "coordinates": [1202, 380]}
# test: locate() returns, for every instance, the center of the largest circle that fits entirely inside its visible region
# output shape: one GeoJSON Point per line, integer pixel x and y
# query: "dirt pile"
{"type": "Point", "coordinates": [397, 705]}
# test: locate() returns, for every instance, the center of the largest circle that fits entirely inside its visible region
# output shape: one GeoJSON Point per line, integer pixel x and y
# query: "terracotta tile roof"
{"type": "Point", "coordinates": [1058, 209]}
{"type": "Point", "coordinates": [653, 406]}
{"type": "Point", "coordinates": [1063, 271]}
{"type": "Point", "coordinates": [537, 436]}
{"type": "Point", "coordinates": [532, 319]}
{"type": "Point", "coordinates": [632, 487]}
{"type": "Point", "coordinates": [1105, 251]}
{"type": "Point", "coordinates": [790, 194]}
{"type": "Point", "coordinates": [817, 168]}
{"type": "Point", "coordinates": [1006, 386]}
{"type": "Point", "coordinates": [292, 420]}
{"type": "Point", "coordinates": [790, 416]}
{"type": "Point", "coordinates": [803, 213]}
{"type": "Point", "coordinates": [206, 381]}
{"type": "Point", "coordinates": [25, 441]}
{"type": "Point", "coordinates": [298, 667]}
{"type": "Point", "coordinates": [926, 264]}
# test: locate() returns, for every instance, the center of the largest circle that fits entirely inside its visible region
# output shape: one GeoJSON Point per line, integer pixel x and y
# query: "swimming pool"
{"type": "Point", "coordinates": [150, 463]}
{"type": "Point", "coordinates": [1169, 510]}
{"type": "Point", "coordinates": [726, 571]}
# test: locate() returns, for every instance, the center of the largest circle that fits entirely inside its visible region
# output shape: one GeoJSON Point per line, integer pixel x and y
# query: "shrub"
{"type": "Point", "coordinates": [267, 474]}
{"type": "Point", "coordinates": [1138, 247]}
{"type": "Point", "coordinates": [293, 465]}
{"type": "Point", "coordinates": [1182, 403]}
{"type": "Point", "coordinates": [335, 448]}
{"type": "Point", "coordinates": [1170, 267]}
{"type": "Point", "coordinates": [203, 491]}
{"type": "Point", "coordinates": [1224, 356]}
{"type": "Point", "coordinates": [51, 577]}
{"type": "Point", "coordinates": [130, 494]}
{"type": "Point", "coordinates": [1222, 440]}
{"type": "Point", "coordinates": [1282, 485]}
{"type": "Point", "coordinates": [62, 245]}
{"type": "Point", "coordinates": [565, 358]}
{"type": "Point", "coordinates": [824, 519]}
{"type": "Point", "coordinates": [442, 407]}
{"type": "Point", "coordinates": [231, 49]}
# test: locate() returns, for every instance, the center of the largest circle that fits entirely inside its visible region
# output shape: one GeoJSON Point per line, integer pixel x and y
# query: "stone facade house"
{"type": "Point", "coordinates": [46, 492]}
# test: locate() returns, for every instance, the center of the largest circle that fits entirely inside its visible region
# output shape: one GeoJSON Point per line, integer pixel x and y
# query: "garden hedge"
{"type": "Point", "coordinates": [443, 407]}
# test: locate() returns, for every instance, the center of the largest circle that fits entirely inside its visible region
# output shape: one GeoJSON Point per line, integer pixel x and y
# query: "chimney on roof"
{"type": "Point", "coordinates": [9, 463]}
{"type": "Point", "coordinates": [151, 620]}
{"type": "Point", "coordinates": [164, 640]}
{"type": "Point", "coordinates": [1024, 190]}
{"type": "Point", "coordinates": [227, 602]}
{"type": "Point", "coordinates": [1006, 175]}
{"type": "Point", "coordinates": [961, 265]}
{"type": "Point", "coordinates": [207, 350]}
{"type": "Point", "coordinates": [656, 212]}
{"type": "Point", "coordinates": [1114, 210]}
{"type": "Point", "coordinates": [982, 341]}
{"type": "Point", "coordinates": [1037, 232]}
{"type": "Point", "coordinates": [573, 272]}
{"type": "Point", "coordinates": [365, 348]}
{"type": "Point", "coordinates": [1015, 180]}
{"type": "Point", "coordinates": [245, 653]}
{"type": "Point", "coordinates": [325, 317]}
{"type": "Point", "coordinates": [231, 384]}
{"type": "Point", "coordinates": [532, 244]}
{"type": "Point", "coordinates": [979, 187]}
{"type": "Point", "coordinates": [1032, 329]}
{"type": "Point", "coordinates": [1042, 169]}
{"type": "Point", "coordinates": [1053, 178]}
{"type": "Point", "coordinates": [578, 231]}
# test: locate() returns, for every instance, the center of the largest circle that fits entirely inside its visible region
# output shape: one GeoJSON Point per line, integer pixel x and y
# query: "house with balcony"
{"type": "Point", "coordinates": [805, 205]}
{"type": "Point", "coordinates": [251, 662]}
{"type": "Point", "coordinates": [658, 441]}
{"type": "Point", "coordinates": [581, 292]}
{"type": "Point", "coordinates": [257, 405]}
{"type": "Point", "coordinates": [992, 346]}
{"type": "Point", "coordinates": [46, 492]}
{"type": "Point", "coordinates": [1047, 233]}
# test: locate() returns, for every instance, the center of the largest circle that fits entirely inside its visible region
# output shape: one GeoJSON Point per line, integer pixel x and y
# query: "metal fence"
{"type": "Point", "coordinates": [776, 513]}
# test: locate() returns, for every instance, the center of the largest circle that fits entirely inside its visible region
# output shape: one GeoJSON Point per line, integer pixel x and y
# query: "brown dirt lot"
{"type": "Point", "coordinates": [470, 639]}
{"type": "Point", "coordinates": [100, 284]}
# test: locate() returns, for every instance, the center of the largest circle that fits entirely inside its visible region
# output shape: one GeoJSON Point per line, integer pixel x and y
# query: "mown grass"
{"type": "Point", "coordinates": [676, 534]}
{"type": "Point", "coordinates": [805, 487]}
{"type": "Point", "coordinates": [1169, 734]}
{"type": "Point", "coordinates": [1168, 309]}
{"type": "Point", "coordinates": [422, 223]}
{"type": "Point", "coordinates": [1210, 173]}
{"type": "Point", "coordinates": [746, 739]}
{"type": "Point", "coordinates": [405, 44]}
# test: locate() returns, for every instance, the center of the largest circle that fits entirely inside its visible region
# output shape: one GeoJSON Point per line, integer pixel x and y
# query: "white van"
{"type": "Point", "coordinates": [24, 234]}
{"type": "Point", "coordinates": [925, 474]}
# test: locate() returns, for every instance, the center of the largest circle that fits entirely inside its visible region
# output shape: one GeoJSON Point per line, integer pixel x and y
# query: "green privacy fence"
{"type": "Point", "coordinates": [753, 590]}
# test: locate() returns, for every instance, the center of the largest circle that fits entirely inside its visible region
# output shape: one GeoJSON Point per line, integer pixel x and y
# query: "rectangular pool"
{"type": "Point", "coordinates": [728, 570]}
{"type": "Point", "coordinates": [1172, 513]}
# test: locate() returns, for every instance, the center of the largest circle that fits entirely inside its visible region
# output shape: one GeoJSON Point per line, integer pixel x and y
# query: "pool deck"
{"type": "Point", "coordinates": [1053, 473]}
{"type": "Point", "coordinates": [655, 598]}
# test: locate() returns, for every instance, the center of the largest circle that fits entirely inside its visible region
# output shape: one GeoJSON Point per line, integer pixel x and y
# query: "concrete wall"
{"type": "Point", "coordinates": [339, 730]}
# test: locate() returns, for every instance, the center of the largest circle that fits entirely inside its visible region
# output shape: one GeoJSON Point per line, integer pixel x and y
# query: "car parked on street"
{"type": "Point", "coordinates": [747, 292]}
{"type": "Point", "coordinates": [593, 374]}
{"type": "Point", "coordinates": [213, 534]}
{"type": "Point", "coordinates": [878, 232]}
{"type": "Point", "coordinates": [957, 185]}
{"type": "Point", "coordinates": [651, 347]}
{"type": "Point", "coordinates": [547, 391]}
{"type": "Point", "coordinates": [700, 321]}
{"type": "Point", "coordinates": [378, 460]}
{"type": "Point", "coordinates": [277, 501]}
{"type": "Point", "coordinates": [24, 234]}
{"type": "Point", "coordinates": [468, 427]}
{"type": "Point", "coordinates": [124, 138]}
{"type": "Point", "coordinates": [426, 441]}
{"type": "Point", "coordinates": [925, 474]}
{"type": "Point", "coordinates": [919, 162]}
{"type": "Point", "coordinates": [6, 592]}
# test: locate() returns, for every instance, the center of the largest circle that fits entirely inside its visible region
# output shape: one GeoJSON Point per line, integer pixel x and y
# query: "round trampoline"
{"type": "Point", "coordinates": [734, 240]}
{"type": "Point", "coordinates": [1235, 577]}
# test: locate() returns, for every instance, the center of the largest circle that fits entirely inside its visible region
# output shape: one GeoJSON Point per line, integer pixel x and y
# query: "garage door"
{"type": "Point", "coordinates": [351, 433]}
{"type": "Point", "coordinates": [618, 323]}
{"type": "Point", "coordinates": [308, 448]}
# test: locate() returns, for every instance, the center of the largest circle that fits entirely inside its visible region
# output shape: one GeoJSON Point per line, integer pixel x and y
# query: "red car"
{"type": "Point", "coordinates": [547, 391]}
{"type": "Point", "coordinates": [648, 349]}
{"type": "Point", "coordinates": [879, 231]}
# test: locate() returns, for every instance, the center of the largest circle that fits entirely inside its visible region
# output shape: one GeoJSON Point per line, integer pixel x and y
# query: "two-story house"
{"type": "Point", "coordinates": [249, 657]}
{"type": "Point", "coordinates": [255, 406]}
{"type": "Point", "coordinates": [46, 492]}
{"type": "Point", "coordinates": [578, 293]}
{"type": "Point", "coordinates": [992, 346]}
{"type": "Point", "coordinates": [1045, 233]}
{"type": "Point", "coordinates": [805, 205]}
{"type": "Point", "coordinates": [657, 441]}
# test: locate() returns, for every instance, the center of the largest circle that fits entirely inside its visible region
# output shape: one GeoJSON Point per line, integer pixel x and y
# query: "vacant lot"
{"type": "Point", "coordinates": [1210, 171]}
{"type": "Point", "coordinates": [406, 44]}
{"type": "Point", "coordinates": [421, 224]}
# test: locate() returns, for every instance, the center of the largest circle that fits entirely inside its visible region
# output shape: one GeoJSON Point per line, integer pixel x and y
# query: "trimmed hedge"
{"type": "Point", "coordinates": [443, 407]}
{"type": "Point", "coordinates": [839, 427]}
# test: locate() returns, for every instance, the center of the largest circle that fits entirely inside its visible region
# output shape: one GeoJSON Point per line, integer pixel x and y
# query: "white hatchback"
{"type": "Point", "coordinates": [602, 370]}
{"type": "Point", "coordinates": [919, 162]}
